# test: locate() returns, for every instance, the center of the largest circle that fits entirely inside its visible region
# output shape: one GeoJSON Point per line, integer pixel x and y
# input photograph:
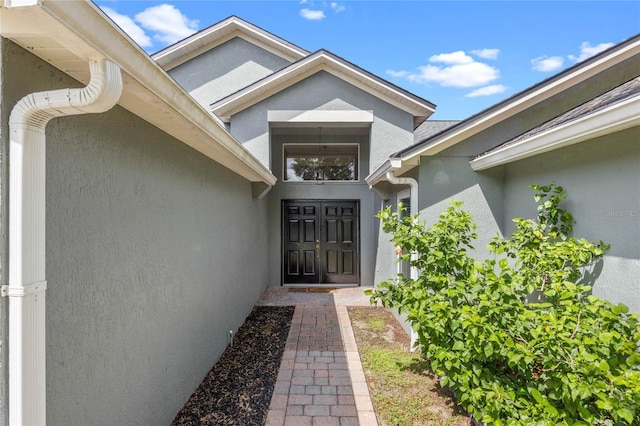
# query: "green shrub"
{"type": "Point", "coordinates": [517, 337]}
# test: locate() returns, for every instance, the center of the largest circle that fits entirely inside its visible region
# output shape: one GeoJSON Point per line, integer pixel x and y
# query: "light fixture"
{"type": "Point", "coordinates": [318, 174]}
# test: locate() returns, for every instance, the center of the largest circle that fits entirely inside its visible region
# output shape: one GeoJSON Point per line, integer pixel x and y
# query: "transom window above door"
{"type": "Point", "coordinates": [320, 162]}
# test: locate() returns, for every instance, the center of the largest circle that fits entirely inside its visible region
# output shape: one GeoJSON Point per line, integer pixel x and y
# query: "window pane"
{"type": "Point", "coordinates": [321, 162]}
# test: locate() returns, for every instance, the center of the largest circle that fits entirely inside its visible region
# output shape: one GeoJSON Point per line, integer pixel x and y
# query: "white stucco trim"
{"type": "Point", "coordinates": [69, 34]}
{"type": "Point", "coordinates": [312, 117]}
{"type": "Point", "coordinates": [617, 117]}
{"type": "Point", "coordinates": [27, 236]}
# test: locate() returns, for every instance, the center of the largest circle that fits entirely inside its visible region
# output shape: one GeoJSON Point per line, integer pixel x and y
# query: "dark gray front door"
{"type": "Point", "coordinates": [320, 242]}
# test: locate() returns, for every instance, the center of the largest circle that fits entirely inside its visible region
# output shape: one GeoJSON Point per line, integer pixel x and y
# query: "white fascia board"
{"type": "Point", "coordinates": [364, 82]}
{"type": "Point", "coordinates": [355, 117]}
{"type": "Point", "coordinates": [617, 117]}
{"type": "Point", "coordinates": [218, 34]}
{"type": "Point", "coordinates": [521, 103]}
{"type": "Point", "coordinates": [149, 92]}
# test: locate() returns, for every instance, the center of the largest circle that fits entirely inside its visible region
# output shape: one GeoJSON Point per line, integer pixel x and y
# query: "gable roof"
{"type": "Point", "coordinates": [217, 34]}
{"type": "Point", "coordinates": [615, 110]}
{"type": "Point", "coordinates": [323, 60]}
{"type": "Point", "coordinates": [408, 158]}
{"type": "Point", "coordinates": [69, 35]}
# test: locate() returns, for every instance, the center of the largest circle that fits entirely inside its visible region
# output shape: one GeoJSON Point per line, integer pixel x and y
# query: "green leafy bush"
{"type": "Point", "coordinates": [517, 337]}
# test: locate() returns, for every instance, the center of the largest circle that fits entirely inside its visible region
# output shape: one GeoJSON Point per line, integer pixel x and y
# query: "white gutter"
{"type": "Point", "coordinates": [614, 118]}
{"type": "Point", "coordinates": [27, 197]}
{"type": "Point", "coordinates": [413, 184]}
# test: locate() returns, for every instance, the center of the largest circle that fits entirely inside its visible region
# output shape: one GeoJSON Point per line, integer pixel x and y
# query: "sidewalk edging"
{"type": "Point", "coordinates": [364, 406]}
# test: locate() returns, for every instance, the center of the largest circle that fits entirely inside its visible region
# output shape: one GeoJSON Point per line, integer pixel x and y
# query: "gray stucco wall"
{"type": "Point", "coordinates": [602, 180]}
{"type": "Point", "coordinates": [601, 177]}
{"type": "Point", "coordinates": [154, 253]}
{"type": "Point", "coordinates": [225, 69]}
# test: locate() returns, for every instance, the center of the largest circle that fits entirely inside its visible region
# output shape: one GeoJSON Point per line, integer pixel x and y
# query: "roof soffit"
{"type": "Point", "coordinates": [323, 61]}
{"type": "Point", "coordinates": [220, 33]}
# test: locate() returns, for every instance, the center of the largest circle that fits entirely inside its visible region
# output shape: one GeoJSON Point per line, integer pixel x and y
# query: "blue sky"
{"type": "Point", "coordinates": [462, 56]}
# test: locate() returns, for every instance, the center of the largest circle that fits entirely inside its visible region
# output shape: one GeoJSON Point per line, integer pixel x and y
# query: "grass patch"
{"type": "Point", "coordinates": [402, 389]}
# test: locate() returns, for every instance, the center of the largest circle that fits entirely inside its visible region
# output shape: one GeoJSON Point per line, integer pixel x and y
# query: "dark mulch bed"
{"type": "Point", "coordinates": [237, 390]}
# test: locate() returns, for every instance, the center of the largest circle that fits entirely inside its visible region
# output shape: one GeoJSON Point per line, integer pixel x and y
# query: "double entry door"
{"type": "Point", "coordinates": [320, 242]}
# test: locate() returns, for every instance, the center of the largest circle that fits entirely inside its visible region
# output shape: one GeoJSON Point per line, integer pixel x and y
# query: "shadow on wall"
{"type": "Point", "coordinates": [591, 274]}
{"type": "Point", "coordinates": [445, 178]}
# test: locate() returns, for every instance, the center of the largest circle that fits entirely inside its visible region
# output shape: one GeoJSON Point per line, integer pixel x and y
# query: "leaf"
{"type": "Point", "coordinates": [604, 366]}
{"type": "Point", "coordinates": [536, 395]}
{"type": "Point", "coordinates": [625, 414]}
{"type": "Point", "coordinates": [551, 409]}
{"type": "Point", "coordinates": [488, 350]}
{"type": "Point", "coordinates": [585, 414]}
{"type": "Point", "coordinates": [458, 345]}
{"type": "Point", "coordinates": [633, 360]}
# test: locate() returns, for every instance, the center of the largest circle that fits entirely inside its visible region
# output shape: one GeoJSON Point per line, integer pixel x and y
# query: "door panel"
{"type": "Point", "coordinates": [301, 229]}
{"type": "Point", "coordinates": [320, 242]}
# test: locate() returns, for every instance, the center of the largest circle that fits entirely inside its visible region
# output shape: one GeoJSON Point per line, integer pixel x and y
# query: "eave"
{"type": "Point", "coordinates": [70, 34]}
{"type": "Point", "coordinates": [410, 157]}
{"type": "Point", "coordinates": [524, 100]}
{"type": "Point", "coordinates": [323, 60]}
{"type": "Point", "coordinates": [220, 33]}
{"type": "Point", "coordinates": [617, 117]}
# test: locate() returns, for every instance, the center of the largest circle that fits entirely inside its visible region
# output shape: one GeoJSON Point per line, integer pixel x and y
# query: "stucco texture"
{"type": "Point", "coordinates": [154, 252]}
{"type": "Point", "coordinates": [602, 180]}
{"type": "Point", "coordinates": [225, 69]}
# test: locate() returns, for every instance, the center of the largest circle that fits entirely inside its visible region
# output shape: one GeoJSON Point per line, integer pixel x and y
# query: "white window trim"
{"type": "Point", "coordinates": [284, 163]}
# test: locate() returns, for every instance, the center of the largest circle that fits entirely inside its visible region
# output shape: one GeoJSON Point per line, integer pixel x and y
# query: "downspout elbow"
{"type": "Point", "coordinates": [101, 94]}
{"type": "Point", "coordinates": [27, 199]}
{"type": "Point", "coordinates": [413, 184]}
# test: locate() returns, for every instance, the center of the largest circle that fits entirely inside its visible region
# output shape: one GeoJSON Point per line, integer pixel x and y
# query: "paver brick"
{"type": "Point", "coordinates": [298, 421]}
{"type": "Point", "coordinates": [317, 410]}
{"type": "Point", "coordinates": [344, 410]}
{"type": "Point", "coordinates": [325, 399]}
{"type": "Point", "coordinates": [326, 421]}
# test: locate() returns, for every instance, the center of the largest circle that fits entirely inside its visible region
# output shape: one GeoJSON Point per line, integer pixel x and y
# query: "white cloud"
{"type": "Point", "coordinates": [169, 24]}
{"type": "Point", "coordinates": [487, 91]}
{"type": "Point", "coordinates": [587, 51]}
{"type": "Point", "coordinates": [458, 57]}
{"type": "Point", "coordinates": [462, 71]}
{"type": "Point", "coordinates": [547, 63]}
{"type": "Point", "coordinates": [312, 15]}
{"type": "Point", "coordinates": [487, 53]}
{"type": "Point", "coordinates": [398, 73]}
{"type": "Point", "coordinates": [337, 7]}
{"type": "Point", "coordinates": [129, 26]}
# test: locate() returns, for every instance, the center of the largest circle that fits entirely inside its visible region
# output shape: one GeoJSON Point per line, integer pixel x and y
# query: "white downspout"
{"type": "Point", "coordinates": [413, 184]}
{"type": "Point", "coordinates": [27, 281]}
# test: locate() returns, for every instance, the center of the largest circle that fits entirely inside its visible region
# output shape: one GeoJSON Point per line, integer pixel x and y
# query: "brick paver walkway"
{"type": "Point", "coordinates": [320, 381]}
